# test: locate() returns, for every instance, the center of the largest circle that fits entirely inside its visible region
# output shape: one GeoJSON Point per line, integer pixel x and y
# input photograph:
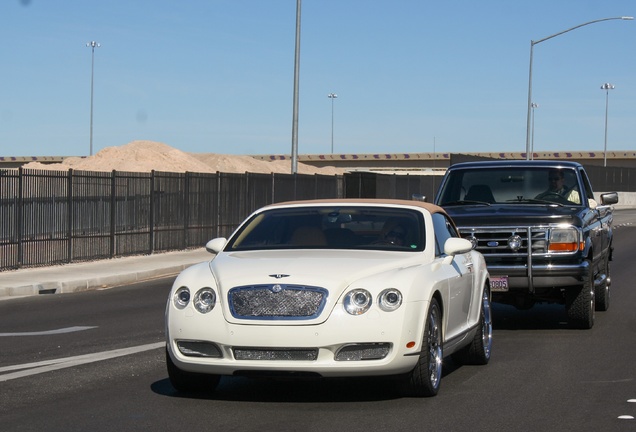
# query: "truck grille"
{"type": "Point", "coordinates": [277, 301]}
{"type": "Point", "coordinates": [511, 242]}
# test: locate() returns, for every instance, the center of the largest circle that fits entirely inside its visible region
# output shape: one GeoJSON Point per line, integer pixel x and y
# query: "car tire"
{"type": "Point", "coordinates": [602, 291]}
{"type": "Point", "coordinates": [425, 379]}
{"type": "Point", "coordinates": [580, 304]}
{"type": "Point", "coordinates": [189, 382]}
{"type": "Point", "coordinates": [478, 351]}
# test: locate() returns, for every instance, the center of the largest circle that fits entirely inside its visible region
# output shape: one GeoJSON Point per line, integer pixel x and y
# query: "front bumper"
{"type": "Point", "coordinates": [395, 330]}
{"type": "Point", "coordinates": [541, 275]}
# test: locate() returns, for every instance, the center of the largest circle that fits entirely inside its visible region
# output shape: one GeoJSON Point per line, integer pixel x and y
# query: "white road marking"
{"type": "Point", "coordinates": [28, 369]}
{"type": "Point", "coordinates": [49, 332]}
{"type": "Point", "coordinates": [627, 417]}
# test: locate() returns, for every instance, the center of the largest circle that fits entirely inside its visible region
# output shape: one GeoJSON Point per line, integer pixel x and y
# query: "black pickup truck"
{"type": "Point", "coordinates": [543, 235]}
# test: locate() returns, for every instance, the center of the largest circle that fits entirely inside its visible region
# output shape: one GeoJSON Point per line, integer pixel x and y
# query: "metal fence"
{"type": "Point", "coordinates": [54, 217]}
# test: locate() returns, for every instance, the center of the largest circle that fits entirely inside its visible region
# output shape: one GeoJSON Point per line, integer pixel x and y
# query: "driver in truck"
{"type": "Point", "coordinates": [557, 186]}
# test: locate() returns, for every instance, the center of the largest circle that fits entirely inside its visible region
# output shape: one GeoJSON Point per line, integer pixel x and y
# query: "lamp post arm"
{"type": "Point", "coordinates": [580, 25]}
{"type": "Point", "coordinates": [532, 44]}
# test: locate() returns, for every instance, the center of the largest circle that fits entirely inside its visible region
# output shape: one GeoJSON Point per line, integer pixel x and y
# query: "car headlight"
{"type": "Point", "coordinates": [182, 297]}
{"type": "Point", "coordinates": [390, 299]}
{"type": "Point", "coordinates": [357, 301]}
{"type": "Point", "coordinates": [565, 240]}
{"type": "Point", "coordinates": [204, 300]}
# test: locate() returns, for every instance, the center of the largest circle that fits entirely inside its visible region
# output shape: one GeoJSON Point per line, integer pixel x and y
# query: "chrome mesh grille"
{"type": "Point", "coordinates": [285, 354]}
{"type": "Point", "coordinates": [276, 301]}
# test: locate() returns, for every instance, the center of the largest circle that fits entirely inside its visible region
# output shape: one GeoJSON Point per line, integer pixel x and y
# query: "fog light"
{"type": "Point", "coordinates": [199, 349]}
{"type": "Point", "coordinates": [359, 352]}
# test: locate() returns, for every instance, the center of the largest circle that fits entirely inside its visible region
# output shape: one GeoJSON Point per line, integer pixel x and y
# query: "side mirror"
{"type": "Point", "coordinates": [216, 245]}
{"type": "Point", "coordinates": [456, 245]}
{"type": "Point", "coordinates": [418, 197]}
{"type": "Point", "coordinates": [609, 198]}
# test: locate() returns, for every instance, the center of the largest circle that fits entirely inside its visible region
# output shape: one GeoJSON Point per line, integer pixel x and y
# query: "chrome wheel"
{"type": "Point", "coordinates": [486, 324]}
{"type": "Point", "coordinates": [426, 377]}
{"type": "Point", "coordinates": [434, 344]}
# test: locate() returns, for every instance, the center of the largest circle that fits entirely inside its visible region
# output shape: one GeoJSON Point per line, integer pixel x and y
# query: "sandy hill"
{"type": "Point", "coordinates": [144, 156]}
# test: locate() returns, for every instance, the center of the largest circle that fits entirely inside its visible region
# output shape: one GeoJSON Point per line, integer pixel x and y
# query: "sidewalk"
{"type": "Point", "coordinates": [96, 274]}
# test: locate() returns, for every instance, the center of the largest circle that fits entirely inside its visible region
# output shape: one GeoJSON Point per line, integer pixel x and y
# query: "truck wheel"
{"type": "Point", "coordinates": [424, 380]}
{"type": "Point", "coordinates": [478, 351]}
{"type": "Point", "coordinates": [602, 292]}
{"type": "Point", "coordinates": [580, 304]}
{"type": "Point", "coordinates": [189, 382]}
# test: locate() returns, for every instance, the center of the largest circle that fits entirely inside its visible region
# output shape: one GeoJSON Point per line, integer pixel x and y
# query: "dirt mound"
{"type": "Point", "coordinates": [145, 156]}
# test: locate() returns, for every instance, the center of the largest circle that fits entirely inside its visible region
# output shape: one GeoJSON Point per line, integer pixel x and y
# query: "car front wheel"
{"type": "Point", "coordinates": [424, 380]}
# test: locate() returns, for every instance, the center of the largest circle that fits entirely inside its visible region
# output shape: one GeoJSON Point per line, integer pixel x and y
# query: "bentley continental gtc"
{"type": "Point", "coordinates": [332, 288]}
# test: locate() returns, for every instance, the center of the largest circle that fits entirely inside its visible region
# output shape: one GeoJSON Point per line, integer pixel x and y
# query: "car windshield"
{"type": "Point", "coordinates": [486, 186]}
{"type": "Point", "coordinates": [324, 227]}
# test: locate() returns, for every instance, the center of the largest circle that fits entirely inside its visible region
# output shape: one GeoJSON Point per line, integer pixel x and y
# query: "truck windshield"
{"type": "Point", "coordinates": [545, 185]}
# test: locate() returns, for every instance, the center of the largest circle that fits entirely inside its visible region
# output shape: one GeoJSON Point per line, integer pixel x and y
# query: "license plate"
{"type": "Point", "coordinates": [499, 283]}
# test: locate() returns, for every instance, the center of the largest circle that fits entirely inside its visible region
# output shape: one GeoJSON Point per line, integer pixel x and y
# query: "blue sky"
{"type": "Point", "coordinates": [411, 75]}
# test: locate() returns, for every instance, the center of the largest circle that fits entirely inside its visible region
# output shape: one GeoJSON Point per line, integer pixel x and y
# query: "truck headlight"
{"type": "Point", "coordinates": [565, 240]}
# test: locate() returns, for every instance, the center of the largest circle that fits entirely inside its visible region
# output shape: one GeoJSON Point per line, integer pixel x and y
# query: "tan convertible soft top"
{"type": "Point", "coordinates": [431, 208]}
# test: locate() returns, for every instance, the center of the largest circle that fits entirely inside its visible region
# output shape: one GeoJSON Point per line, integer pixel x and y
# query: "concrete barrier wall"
{"type": "Point", "coordinates": [625, 199]}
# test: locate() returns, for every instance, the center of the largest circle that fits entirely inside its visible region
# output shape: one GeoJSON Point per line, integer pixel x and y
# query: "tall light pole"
{"type": "Point", "coordinates": [294, 152]}
{"type": "Point", "coordinates": [534, 105]}
{"type": "Point", "coordinates": [92, 45]}
{"type": "Point", "coordinates": [607, 87]}
{"type": "Point", "coordinates": [332, 96]}
{"type": "Point", "coordinates": [532, 44]}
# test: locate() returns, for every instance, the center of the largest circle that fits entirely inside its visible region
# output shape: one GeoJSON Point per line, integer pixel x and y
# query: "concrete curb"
{"type": "Point", "coordinates": [78, 277]}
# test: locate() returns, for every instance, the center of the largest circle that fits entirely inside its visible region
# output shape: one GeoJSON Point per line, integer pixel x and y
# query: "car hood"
{"type": "Point", "coordinates": [332, 270]}
{"type": "Point", "coordinates": [514, 214]}
{"type": "Point", "coordinates": [326, 268]}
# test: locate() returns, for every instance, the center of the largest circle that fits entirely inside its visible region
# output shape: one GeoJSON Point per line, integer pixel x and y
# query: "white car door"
{"type": "Point", "coordinates": [460, 276]}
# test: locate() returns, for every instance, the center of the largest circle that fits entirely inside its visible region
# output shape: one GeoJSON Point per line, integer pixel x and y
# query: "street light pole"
{"type": "Point", "coordinates": [532, 44]}
{"type": "Point", "coordinates": [607, 87]}
{"type": "Point", "coordinates": [294, 152]}
{"type": "Point", "coordinates": [534, 105]}
{"type": "Point", "coordinates": [93, 45]}
{"type": "Point", "coordinates": [332, 96]}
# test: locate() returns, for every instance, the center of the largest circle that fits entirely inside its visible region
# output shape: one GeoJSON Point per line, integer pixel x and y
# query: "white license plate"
{"type": "Point", "coordinates": [498, 283]}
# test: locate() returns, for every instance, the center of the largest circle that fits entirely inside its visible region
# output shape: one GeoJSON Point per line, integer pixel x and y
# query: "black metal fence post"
{"type": "Point", "coordinates": [20, 222]}
{"type": "Point", "coordinates": [71, 215]}
{"type": "Point", "coordinates": [113, 211]}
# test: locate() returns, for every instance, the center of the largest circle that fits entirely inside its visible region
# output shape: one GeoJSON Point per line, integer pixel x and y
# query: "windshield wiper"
{"type": "Point", "coordinates": [462, 202]}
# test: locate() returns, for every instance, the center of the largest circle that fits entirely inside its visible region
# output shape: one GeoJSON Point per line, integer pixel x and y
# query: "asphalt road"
{"type": "Point", "coordinates": [94, 361]}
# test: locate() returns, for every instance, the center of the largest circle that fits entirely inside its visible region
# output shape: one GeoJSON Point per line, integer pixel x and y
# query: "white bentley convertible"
{"type": "Point", "coordinates": [332, 288]}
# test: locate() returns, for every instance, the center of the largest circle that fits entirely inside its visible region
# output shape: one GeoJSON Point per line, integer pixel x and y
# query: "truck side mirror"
{"type": "Point", "coordinates": [609, 198]}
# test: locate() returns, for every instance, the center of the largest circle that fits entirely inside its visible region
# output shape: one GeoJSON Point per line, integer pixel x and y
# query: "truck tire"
{"type": "Point", "coordinates": [602, 291]}
{"type": "Point", "coordinates": [580, 304]}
